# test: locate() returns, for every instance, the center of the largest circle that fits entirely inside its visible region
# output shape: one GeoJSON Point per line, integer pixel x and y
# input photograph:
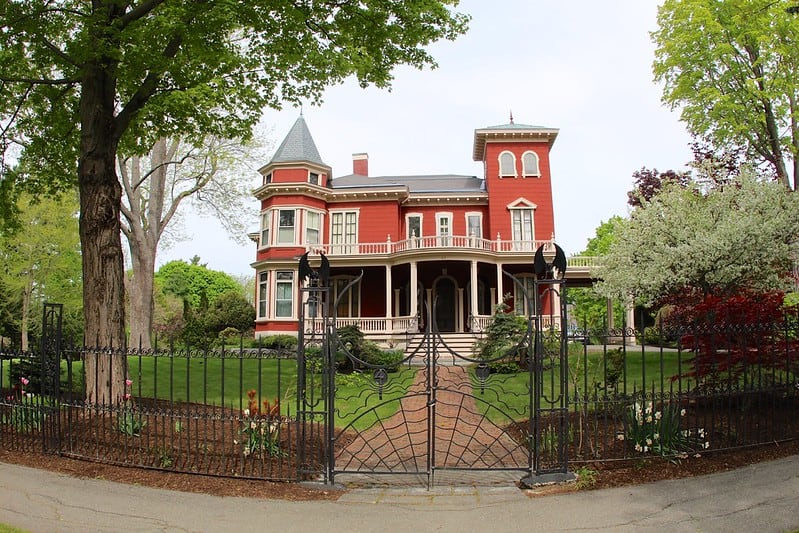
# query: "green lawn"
{"type": "Point", "coordinates": [226, 382]}
{"type": "Point", "coordinates": [214, 381]}
{"type": "Point", "coordinates": [586, 378]}
{"type": "Point", "coordinates": [360, 402]}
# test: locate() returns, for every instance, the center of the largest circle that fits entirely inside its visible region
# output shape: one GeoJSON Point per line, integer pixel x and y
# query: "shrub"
{"type": "Point", "coordinates": [737, 336]}
{"type": "Point", "coordinates": [390, 359]}
{"type": "Point", "coordinates": [500, 346]}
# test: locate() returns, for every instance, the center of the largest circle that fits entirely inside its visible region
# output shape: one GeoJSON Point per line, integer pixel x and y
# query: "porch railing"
{"type": "Point", "coordinates": [410, 324]}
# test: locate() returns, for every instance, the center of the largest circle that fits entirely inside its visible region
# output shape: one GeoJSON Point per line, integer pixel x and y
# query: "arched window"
{"type": "Point", "coordinates": [507, 164]}
{"type": "Point", "coordinates": [530, 164]}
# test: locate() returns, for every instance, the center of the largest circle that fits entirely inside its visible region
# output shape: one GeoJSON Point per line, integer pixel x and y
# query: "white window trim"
{"type": "Point", "coordinates": [321, 227]}
{"type": "Point", "coordinates": [274, 285]}
{"type": "Point", "coordinates": [444, 240]}
{"type": "Point", "coordinates": [499, 160]}
{"type": "Point", "coordinates": [343, 213]}
{"type": "Point", "coordinates": [265, 297]}
{"type": "Point", "coordinates": [408, 216]}
{"type": "Point", "coordinates": [537, 173]}
{"type": "Point", "coordinates": [267, 215]}
{"type": "Point", "coordinates": [297, 213]}
{"type": "Point", "coordinates": [473, 239]}
{"type": "Point", "coordinates": [522, 204]}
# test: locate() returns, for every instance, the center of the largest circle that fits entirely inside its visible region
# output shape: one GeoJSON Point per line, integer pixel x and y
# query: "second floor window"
{"type": "Point", "coordinates": [522, 228]}
{"type": "Point", "coordinates": [266, 223]}
{"type": "Point", "coordinates": [285, 230]}
{"type": "Point", "coordinates": [474, 225]}
{"type": "Point", "coordinates": [343, 231]}
{"type": "Point", "coordinates": [414, 226]}
{"type": "Point", "coordinates": [313, 178]}
{"type": "Point", "coordinates": [444, 229]}
{"type": "Point", "coordinates": [312, 224]}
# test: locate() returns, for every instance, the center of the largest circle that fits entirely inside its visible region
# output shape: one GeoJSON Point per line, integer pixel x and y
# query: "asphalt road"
{"type": "Point", "coordinates": [762, 498]}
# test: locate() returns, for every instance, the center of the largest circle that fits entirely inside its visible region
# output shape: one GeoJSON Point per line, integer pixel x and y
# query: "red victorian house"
{"type": "Point", "coordinates": [449, 236]}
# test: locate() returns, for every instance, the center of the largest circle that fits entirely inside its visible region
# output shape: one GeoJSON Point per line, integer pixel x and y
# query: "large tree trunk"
{"type": "Point", "coordinates": [141, 295]}
{"type": "Point", "coordinates": [103, 264]}
{"type": "Point", "coordinates": [144, 233]}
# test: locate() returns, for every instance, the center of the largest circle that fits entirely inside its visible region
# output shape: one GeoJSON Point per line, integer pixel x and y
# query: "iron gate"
{"type": "Point", "coordinates": [434, 414]}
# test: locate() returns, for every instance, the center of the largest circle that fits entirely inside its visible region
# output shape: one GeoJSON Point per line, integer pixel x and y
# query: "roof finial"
{"type": "Point", "coordinates": [300, 109]}
{"type": "Point", "coordinates": [511, 116]}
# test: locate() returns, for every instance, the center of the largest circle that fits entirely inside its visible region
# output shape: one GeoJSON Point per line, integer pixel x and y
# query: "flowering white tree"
{"type": "Point", "coordinates": [743, 234]}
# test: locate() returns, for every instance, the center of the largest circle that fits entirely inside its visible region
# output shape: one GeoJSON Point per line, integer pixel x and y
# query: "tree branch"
{"type": "Point", "coordinates": [139, 12]}
{"type": "Point", "coordinates": [145, 90]}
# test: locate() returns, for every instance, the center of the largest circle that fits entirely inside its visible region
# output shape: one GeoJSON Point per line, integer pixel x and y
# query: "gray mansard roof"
{"type": "Point", "coordinates": [298, 146]}
{"type": "Point", "coordinates": [445, 183]}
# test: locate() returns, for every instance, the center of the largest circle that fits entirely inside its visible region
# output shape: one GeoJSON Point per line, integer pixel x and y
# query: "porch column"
{"type": "Point", "coordinates": [500, 294]}
{"type": "Point", "coordinates": [459, 325]}
{"type": "Point", "coordinates": [388, 297]}
{"type": "Point", "coordinates": [473, 293]}
{"type": "Point", "coordinates": [414, 294]}
{"type": "Point", "coordinates": [629, 310]}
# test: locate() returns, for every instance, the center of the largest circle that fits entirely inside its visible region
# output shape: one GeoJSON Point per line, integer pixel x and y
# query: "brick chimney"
{"type": "Point", "coordinates": [360, 164]}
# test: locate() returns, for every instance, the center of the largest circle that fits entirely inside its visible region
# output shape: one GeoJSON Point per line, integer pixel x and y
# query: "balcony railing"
{"type": "Point", "coordinates": [424, 243]}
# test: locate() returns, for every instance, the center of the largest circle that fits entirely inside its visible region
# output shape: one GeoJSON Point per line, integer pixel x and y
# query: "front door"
{"type": "Point", "coordinates": [444, 304]}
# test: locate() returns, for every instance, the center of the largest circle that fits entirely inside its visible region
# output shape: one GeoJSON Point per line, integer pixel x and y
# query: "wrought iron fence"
{"type": "Point", "coordinates": [225, 412]}
{"type": "Point", "coordinates": [682, 391]}
{"type": "Point", "coordinates": [233, 412]}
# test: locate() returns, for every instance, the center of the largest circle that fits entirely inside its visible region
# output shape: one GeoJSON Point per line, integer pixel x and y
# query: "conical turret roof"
{"type": "Point", "coordinates": [298, 146]}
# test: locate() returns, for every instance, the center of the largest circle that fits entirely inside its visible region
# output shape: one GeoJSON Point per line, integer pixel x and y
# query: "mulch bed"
{"type": "Point", "coordinates": [606, 474]}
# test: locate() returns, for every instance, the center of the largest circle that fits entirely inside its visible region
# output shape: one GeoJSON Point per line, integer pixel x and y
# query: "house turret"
{"type": "Point", "coordinates": [516, 170]}
{"type": "Point", "coordinates": [297, 160]}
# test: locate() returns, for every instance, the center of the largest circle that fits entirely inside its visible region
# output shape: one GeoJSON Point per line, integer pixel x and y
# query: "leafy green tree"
{"type": "Point", "coordinates": [731, 67]}
{"type": "Point", "coordinates": [41, 262]}
{"type": "Point", "coordinates": [193, 282]}
{"type": "Point", "coordinates": [82, 82]}
{"type": "Point", "coordinates": [212, 301]}
{"type": "Point", "coordinates": [742, 235]}
{"type": "Point", "coordinates": [230, 310]}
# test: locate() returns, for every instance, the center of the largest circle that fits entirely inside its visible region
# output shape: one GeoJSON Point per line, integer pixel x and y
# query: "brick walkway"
{"type": "Point", "coordinates": [462, 437]}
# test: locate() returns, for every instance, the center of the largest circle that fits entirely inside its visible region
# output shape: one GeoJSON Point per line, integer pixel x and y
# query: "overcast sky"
{"type": "Point", "coordinates": [581, 66]}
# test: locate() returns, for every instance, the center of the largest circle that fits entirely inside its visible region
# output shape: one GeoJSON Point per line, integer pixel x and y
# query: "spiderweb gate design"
{"type": "Point", "coordinates": [435, 416]}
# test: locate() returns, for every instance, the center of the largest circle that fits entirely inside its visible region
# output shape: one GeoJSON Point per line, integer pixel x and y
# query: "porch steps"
{"type": "Point", "coordinates": [450, 347]}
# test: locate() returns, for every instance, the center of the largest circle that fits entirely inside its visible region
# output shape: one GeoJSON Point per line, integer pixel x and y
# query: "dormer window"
{"type": "Point", "coordinates": [507, 165]}
{"type": "Point", "coordinates": [530, 164]}
{"type": "Point", "coordinates": [313, 178]}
